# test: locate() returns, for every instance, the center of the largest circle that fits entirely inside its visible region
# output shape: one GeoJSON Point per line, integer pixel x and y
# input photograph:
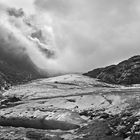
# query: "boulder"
{"type": "Point", "coordinates": [50, 118]}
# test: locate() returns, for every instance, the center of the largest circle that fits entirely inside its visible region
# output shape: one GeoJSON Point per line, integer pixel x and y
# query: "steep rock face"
{"type": "Point", "coordinates": [13, 72]}
{"type": "Point", "coordinates": [126, 72]}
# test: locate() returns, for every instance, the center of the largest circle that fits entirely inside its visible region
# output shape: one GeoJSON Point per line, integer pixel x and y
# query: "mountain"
{"type": "Point", "coordinates": [127, 72]}
{"type": "Point", "coordinates": [15, 71]}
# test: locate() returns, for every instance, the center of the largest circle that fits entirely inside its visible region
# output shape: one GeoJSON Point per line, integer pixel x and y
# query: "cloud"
{"type": "Point", "coordinates": [12, 43]}
{"type": "Point", "coordinates": [93, 33]}
{"type": "Point", "coordinates": [15, 12]}
{"type": "Point", "coordinates": [62, 7]}
{"type": "Point", "coordinates": [73, 35]}
{"type": "Point", "coordinates": [17, 46]}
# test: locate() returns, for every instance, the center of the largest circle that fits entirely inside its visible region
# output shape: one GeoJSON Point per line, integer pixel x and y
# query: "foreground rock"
{"type": "Point", "coordinates": [40, 118]}
{"type": "Point", "coordinates": [126, 72]}
{"type": "Point", "coordinates": [20, 133]}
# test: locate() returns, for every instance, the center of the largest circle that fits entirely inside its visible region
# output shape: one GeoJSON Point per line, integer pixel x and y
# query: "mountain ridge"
{"type": "Point", "coordinates": [126, 72]}
{"type": "Point", "coordinates": [13, 72]}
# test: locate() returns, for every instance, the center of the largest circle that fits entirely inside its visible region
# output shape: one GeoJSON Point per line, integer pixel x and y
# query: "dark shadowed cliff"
{"type": "Point", "coordinates": [127, 72]}
{"type": "Point", "coordinates": [15, 70]}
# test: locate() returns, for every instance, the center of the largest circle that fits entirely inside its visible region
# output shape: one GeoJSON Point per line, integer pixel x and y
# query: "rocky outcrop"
{"type": "Point", "coordinates": [38, 118]}
{"type": "Point", "coordinates": [126, 72]}
{"type": "Point", "coordinates": [13, 72]}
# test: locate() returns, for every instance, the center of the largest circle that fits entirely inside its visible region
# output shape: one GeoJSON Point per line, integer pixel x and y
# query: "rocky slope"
{"type": "Point", "coordinates": [126, 72]}
{"type": "Point", "coordinates": [14, 71]}
{"type": "Point", "coordinates": [70, 107]}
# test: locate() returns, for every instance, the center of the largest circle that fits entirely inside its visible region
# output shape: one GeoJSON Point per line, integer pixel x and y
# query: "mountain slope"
{"type": "Point", "coordinates": [126, 72]}
{"type": "Point", "coordinates": [15, 71]}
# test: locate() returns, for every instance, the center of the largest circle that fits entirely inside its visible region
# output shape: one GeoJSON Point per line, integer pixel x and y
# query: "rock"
{"type": "Point", "coordinates": [22, 116]}
{"type": "Point", "coordinates": [126, 72]}
{"type": "Point", "coordinates": [35, 135]}
{"type": "Point", "coordinates": [104, 116]}
{"type": "Point", "coordinates": [19, 133]}
{"type": "Point", "coordinates": [71, 100]}
{"type": "Point", "coordinates": [15, 70]}
{"type": "Point", "coordinates": [97, 130]}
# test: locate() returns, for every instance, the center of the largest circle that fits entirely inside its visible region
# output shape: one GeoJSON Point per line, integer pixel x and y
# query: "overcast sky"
{"type": "Point", "coordinates": [90, 33]}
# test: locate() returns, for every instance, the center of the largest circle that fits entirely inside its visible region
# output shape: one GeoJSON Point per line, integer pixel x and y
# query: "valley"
{"type": "Point", "coordinates": [70, 107]}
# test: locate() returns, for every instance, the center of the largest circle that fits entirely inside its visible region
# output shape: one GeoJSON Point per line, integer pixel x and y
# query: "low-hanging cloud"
{"type": "Point", "coordinates": [13, 44]}
{"type": "Point", "coordinates": [17, 47]}
{"type": "Point", "coordinates": [72, 35]}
